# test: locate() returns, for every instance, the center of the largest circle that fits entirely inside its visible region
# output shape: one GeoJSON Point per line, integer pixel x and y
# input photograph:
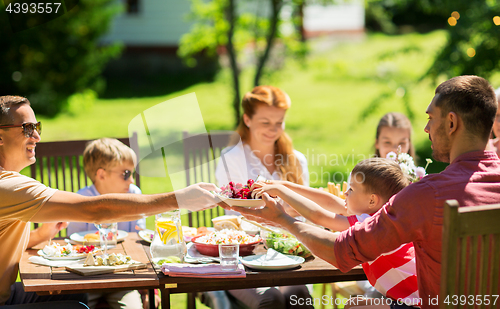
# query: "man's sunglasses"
{"type": "Point", "coordinates": [29, 128]}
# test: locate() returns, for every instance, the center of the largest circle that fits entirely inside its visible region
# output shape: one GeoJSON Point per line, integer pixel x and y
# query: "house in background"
{"type": "Point", "coordinates": [345, 18]}
{"type": "Point", "coordinates": [151, 30]}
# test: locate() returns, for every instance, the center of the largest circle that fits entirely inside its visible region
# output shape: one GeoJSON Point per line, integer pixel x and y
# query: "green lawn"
{"type": "Point", "coordinates": [330, 92]}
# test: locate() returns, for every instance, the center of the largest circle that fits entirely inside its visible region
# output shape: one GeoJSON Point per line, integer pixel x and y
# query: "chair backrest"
{"type": "Point", "coordinates": [59, 165]}
{"type": "Point", "coordinates": [470, 264]}
{"type": "Point", "coordinates": [200, 160]}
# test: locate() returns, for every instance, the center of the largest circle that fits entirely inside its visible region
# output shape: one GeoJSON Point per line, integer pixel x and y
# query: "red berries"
{"type": "Point", "coordinates": [86, 249]}
{"type": "Point", "coordinates": [237, 190]}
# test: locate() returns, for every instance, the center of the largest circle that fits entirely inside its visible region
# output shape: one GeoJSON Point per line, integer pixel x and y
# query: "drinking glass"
{"type": "Point", "coordinates": [107, 235]}
{"type": "Point", "coordinates": [228, 255]}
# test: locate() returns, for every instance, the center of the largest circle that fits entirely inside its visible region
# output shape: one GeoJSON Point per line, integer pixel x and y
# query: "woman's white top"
{"type": "Point", "coordinates": [239, 163]}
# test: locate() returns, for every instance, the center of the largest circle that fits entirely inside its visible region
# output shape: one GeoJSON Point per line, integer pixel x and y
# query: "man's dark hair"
{"type": "Point", "coordinates": [473, 99]}
{"type": "Point", "coordinates": [6, 102]}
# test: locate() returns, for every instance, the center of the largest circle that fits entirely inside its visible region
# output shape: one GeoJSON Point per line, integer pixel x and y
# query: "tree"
{"type": "Point", "coordinates": [473, 28]}
{"type": "Point", "coordinates": [52, 61]}
{"type": "Point", "coordinates": [473, 45]}
{"type": "Point", "coordinates": [237, 24]}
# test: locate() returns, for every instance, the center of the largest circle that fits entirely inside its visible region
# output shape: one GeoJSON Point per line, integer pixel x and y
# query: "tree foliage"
{"type": "Point", "coordinates": [473, 38]}
{"type": "Point", "coordinates": [50, 62]}
{"type": "Point", "coordinates": [248, 30]}
{"type": "Point", "coordinates": [399, 16]}
{"type": "Point", "coordinates": [473, 45]}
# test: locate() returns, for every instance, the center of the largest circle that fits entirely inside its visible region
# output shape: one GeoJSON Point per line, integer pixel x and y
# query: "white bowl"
{"type": "Point", "coordinates": [241, 202]}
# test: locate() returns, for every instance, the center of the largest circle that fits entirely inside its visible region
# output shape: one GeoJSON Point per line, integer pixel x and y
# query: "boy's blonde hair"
{"type": "Point", "coordinates": [381, 176]}
{"type": "Point", "coordinates": [106, 153]}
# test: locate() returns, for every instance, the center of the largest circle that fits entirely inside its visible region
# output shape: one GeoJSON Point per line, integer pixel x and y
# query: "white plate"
{"type": "Point", "coordinates": [146, 235]}
{"type": "Point", "coordinates": [78, 237]}
{"type": "Point", "coordinates": [260, 262]}
{"type": "Point", "coordinates": [241, 202]}
{"type": "Point", "coordinates": [68, 257]}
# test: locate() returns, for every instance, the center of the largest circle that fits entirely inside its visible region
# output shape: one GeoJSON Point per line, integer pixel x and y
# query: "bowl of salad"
{"type": "Point", "coordinates": [285, 243]}
{"type": "Point", "coordinates": [209, 244]}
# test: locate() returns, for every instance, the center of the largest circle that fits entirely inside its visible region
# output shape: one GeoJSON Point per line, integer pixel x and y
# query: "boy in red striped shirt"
{"type": "Point", "coordinates": [373, 182]}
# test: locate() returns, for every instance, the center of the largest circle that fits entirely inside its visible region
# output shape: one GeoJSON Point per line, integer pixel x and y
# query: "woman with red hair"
{"type": "Point", "coordinates": [265, 148]}
{"type": "Point", "coordinates": [262, 147]}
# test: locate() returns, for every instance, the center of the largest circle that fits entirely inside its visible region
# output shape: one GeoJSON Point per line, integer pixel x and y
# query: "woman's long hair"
{"type": "Point", "coordinates": [285, 160]}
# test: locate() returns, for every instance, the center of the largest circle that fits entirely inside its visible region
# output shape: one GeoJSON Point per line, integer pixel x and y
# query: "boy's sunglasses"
{"type": "Point", "coordinates": [28, 128]}
{"type": "Point", "coordinates": [126, 174]}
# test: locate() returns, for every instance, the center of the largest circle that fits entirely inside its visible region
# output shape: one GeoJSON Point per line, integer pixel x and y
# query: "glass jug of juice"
{"type": "Point", "coordinates": [168, 241]}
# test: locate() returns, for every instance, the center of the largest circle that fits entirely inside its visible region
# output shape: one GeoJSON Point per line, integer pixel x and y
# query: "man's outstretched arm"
{"type": "Point", "coordinates": [67, 206]}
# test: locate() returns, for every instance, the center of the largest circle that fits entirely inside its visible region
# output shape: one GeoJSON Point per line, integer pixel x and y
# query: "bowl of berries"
{"type": "Point", "coordinates": [237, 194]}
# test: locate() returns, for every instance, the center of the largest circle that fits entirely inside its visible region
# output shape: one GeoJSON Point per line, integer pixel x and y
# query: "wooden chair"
{"type": "Point", "coordinates": [201, 153]}
{"type": "Point", "coordinates": [470, 263]}
{"type": "Point", "coordinates": [59, 165]}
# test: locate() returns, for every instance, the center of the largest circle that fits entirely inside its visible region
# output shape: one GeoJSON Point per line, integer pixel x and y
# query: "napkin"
{"type": "Point", "coordinates": [43, 261]}
{"type": "Point", "coordinates": [201, 271]}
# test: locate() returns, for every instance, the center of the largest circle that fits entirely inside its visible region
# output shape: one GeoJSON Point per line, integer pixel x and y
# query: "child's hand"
{"type": "Point", "coordinates": [272, 189]}
{"type": "Point", "coordinates": [260, 184]}
{"type": "Point", "coordinates": [49, 230]}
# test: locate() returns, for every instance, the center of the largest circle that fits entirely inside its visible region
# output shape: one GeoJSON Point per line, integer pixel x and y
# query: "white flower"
{"type": "Point", "coordinates": [411, 171]}
{"type": "Point", "coordinates": [429, 161]}
{"type": "Point", "coordinates": [404, 168]}
{"type": "Point", "coordinates": [420, 171]}
{"type": "Point", "coordinates": [407, 165]}
{"type": "Point", "coordinates": [392, 155]}
{"type": "Point", "coordinates": [404, 157]}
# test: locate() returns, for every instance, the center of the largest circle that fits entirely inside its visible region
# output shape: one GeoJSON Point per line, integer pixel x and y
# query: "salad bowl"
{"type": "Point", "coordinates": [213, 250]}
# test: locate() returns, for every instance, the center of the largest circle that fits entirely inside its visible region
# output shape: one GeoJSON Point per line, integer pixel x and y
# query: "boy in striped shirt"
{"type": "Point", "coordinates": [373, 182]}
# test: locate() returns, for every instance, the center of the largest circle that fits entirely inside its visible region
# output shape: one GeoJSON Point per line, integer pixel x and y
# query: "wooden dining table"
{"type": "Point", "coordinates": [50, 280]}
{"type": "Point", "coordinates": [46, 280]}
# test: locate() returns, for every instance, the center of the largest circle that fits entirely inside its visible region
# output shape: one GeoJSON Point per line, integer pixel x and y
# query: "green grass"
{"type": "Point", "coordinates": [331, 92]}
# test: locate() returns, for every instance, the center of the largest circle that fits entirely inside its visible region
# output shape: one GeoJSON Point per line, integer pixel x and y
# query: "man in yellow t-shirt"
{"type": "Point", "coordinates": [20, 198]}
{"type": "Point", "coordinates": [24, 200]}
